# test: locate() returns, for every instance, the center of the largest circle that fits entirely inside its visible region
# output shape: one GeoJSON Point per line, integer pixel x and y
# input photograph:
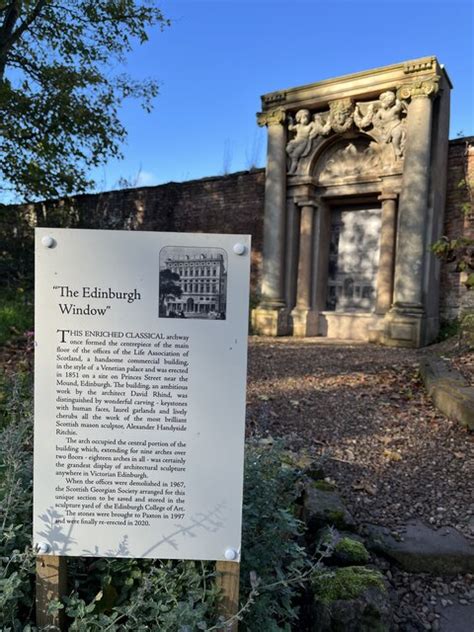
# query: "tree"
{"type": "Point", "coordinates": [59, 94]}
{"type": "Point", "coordinates": [169, 287]}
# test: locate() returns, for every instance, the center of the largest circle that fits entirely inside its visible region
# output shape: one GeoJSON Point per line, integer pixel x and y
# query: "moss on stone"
{"type": "Point", "coordinates": [346, 583]}
{"type": "Point", "coordinates": [336, 518]}
{"type": "Point", "coordinates": [352, 551]}
{"type": "Point", "coordinates": [323, 486]}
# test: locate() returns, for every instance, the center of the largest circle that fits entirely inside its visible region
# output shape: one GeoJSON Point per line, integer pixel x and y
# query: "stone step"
{"type": "Point", "coordinates": [457, 618]}
{"type": "Point", "coordinates": [420, 549]}
{"type": "Point", "coordinates": [449, 391]}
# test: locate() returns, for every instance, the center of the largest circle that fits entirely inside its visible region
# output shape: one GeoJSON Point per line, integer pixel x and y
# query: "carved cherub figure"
{"type": "Point", "coordinates": [388, 121]}
{"type": "Point", "coordinates": [305, 130]}
{"type": "Point", "coordinates": [298, 145]}
{"type": "Point", "coordinates": [386, 118]}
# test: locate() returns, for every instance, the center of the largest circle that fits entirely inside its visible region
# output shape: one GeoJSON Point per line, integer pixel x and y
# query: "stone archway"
{"type": "Point", "coordinates": [361, 139]}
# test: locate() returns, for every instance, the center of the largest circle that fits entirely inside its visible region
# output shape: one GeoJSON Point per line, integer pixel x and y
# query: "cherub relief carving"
{"type": "Point", "coordinates": [383, 119]}
{"type": "Point", "coordinates": [298, 145]}
{"type": "Point", "coordinates": [387, 119]}
{"type": "Point", "coordinates": [306, 129]}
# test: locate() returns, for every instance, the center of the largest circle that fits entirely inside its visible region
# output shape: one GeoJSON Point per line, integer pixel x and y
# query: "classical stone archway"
{"type": "Point", "coordinates": [363, 148]}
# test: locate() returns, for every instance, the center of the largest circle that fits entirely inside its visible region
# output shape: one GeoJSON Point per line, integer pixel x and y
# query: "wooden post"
{"type": "Point", "coordinates": [228, 574]}
{"type": "Point", "coordinates": [51, 580]}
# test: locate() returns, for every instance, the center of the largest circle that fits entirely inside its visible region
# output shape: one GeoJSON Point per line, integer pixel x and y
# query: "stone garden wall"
{"type": "Point", "coordinates": [225, 204]}
{"type": "Point", "coordinates": [222, 204]}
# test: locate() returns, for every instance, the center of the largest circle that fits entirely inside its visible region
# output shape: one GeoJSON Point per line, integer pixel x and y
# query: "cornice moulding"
{"type": "Point", "coordinates": [365, 84]}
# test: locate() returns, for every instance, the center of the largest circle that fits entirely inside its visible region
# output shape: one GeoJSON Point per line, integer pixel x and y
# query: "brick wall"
{"type": "Point", "coordinates": [458, 221]}
{"type": "Point", "coordinates": [222, 204]}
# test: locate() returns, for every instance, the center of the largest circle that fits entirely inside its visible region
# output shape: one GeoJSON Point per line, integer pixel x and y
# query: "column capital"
{"type": "Point", "coordinates": [305, 201]}
{"type": "Point", "coordinates": [419, 88]}
{"type": "Point", "coordinates": [271, 117]}
{"type": "Point", "coordinates": [387, 195]}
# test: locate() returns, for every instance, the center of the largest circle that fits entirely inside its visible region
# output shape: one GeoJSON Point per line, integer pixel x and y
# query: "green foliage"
{"type": "Point", "coordinates": [16, 558]}
{"type": "Point", "coordinates": [130, 594]}
{"type": "Point", "coordinates": [459, 251]}
{"type": "Point", "coordinates": [59, 94]}
{"type": "Point", "coordinates": [270, 544]}
{"type": "Point", "coordinates": [15, 400]}
{"type": "Point", "coordinates": [447, 329]}
{"type": "Point", "coordinates": [16, 314]}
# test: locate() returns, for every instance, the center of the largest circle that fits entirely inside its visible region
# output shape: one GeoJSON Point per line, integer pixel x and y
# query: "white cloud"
{"type": "Point", "coordinates": [145, 179]}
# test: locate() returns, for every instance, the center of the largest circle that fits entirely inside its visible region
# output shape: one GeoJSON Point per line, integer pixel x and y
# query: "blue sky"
{"type": "Point", "coordinates": [218, 57]}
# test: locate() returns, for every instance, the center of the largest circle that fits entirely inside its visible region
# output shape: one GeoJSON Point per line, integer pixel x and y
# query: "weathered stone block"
{"type": "Point", "coordinates": [449, 391]}
{"type": "Point", "coordinates": [423, 550]}
{"type": "Point", "coordinates": [351, 599]}
{"type": "Point", "coordinates": [270, 322]}
{"type": "Point", "coordinates": [324, 507]}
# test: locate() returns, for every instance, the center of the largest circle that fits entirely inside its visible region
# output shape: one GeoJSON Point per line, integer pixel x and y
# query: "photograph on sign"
{"type": "Point", "coordinates": [140, 375]}
{"type": "Point", "coordinates": [193, 283]}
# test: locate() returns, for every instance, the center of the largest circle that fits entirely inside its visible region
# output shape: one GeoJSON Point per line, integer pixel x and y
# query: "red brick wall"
{"type": "Point", "coordinates": [458, 221]}
{"type": "Point", "coordinates": [222, 204]}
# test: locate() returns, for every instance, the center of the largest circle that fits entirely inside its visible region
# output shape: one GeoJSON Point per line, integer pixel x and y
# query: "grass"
{"type": "Point", "coordinates": [16, 314]}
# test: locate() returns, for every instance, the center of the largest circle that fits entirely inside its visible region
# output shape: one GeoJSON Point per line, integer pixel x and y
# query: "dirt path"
{"type": "Point", "coordinates": [393, 456]}
{"type": "Point", "coordinates": [363, 408]}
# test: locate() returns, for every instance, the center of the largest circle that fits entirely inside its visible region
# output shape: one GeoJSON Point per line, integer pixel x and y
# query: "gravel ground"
{"type": "Point", "coordinates": [363, 409]}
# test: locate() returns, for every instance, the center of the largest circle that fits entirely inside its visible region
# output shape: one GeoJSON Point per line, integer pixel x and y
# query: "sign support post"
{"type": "Point", "coordinates": [51, 582]}
{"type": "Point", "coordinates": [228, 581]}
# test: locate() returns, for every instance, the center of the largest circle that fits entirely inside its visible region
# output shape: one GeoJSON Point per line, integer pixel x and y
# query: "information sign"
{"type": "Point", "coordinates": [140, 371]}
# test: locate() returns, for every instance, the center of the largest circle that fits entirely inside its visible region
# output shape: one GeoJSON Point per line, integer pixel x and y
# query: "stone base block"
{"type": "Point", "coordinates": [305, 322]}
{"type": "Point", "coordinates": [376, 333]}
{"type": "Point", "coordinates": [403, 329]}
{"type": "Point", "coordinates": [271, 322]}
{"type": "Point", "coordinates": [348, 326]}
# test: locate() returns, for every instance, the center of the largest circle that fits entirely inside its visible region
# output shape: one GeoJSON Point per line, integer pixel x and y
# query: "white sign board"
{"type": "Point", "coordinates": [140, 372]}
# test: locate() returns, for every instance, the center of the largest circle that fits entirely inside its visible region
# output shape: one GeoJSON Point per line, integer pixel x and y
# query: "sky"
{"type": "Point", "coordinates": [218, 57]}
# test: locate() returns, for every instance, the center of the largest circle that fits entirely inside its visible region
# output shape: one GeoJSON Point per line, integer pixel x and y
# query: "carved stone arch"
{"type": "Point", "coordinates": [320, 147]}
{"type": "Point", "coordinates": [347, 158]}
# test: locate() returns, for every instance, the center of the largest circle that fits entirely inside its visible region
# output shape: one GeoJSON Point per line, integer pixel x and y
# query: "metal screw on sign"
{"type": "Point", "coordinates": [42, 548]}
{"type": "Point", "coordinates": [230, 554]}
{"type": "Point", "coordinates": [239, 249]}
{"type": "Point", "coordinates": [48, 241]}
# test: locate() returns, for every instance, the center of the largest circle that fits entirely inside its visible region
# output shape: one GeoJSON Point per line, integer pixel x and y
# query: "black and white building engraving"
{"type": "Point", "coordinates": [193, 283]}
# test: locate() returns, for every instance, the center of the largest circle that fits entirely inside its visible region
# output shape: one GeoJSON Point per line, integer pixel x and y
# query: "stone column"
{"type": "Point", "coordinates": [291, 254]}
{"type": "Point", "coordinates": [387, 253]}
{"type": "Point", "coordinates": [406, 324]}
{"type": "Point", "coordinates": [270, 317]}
{"type": "Point", "coordinates": [322, 237]}
{"type": "Point", "coordinates": [303, 315]}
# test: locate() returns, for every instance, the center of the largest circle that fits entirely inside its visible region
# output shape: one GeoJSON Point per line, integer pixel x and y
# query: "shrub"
{"type": "Point", "coordinates": [131, 594]}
